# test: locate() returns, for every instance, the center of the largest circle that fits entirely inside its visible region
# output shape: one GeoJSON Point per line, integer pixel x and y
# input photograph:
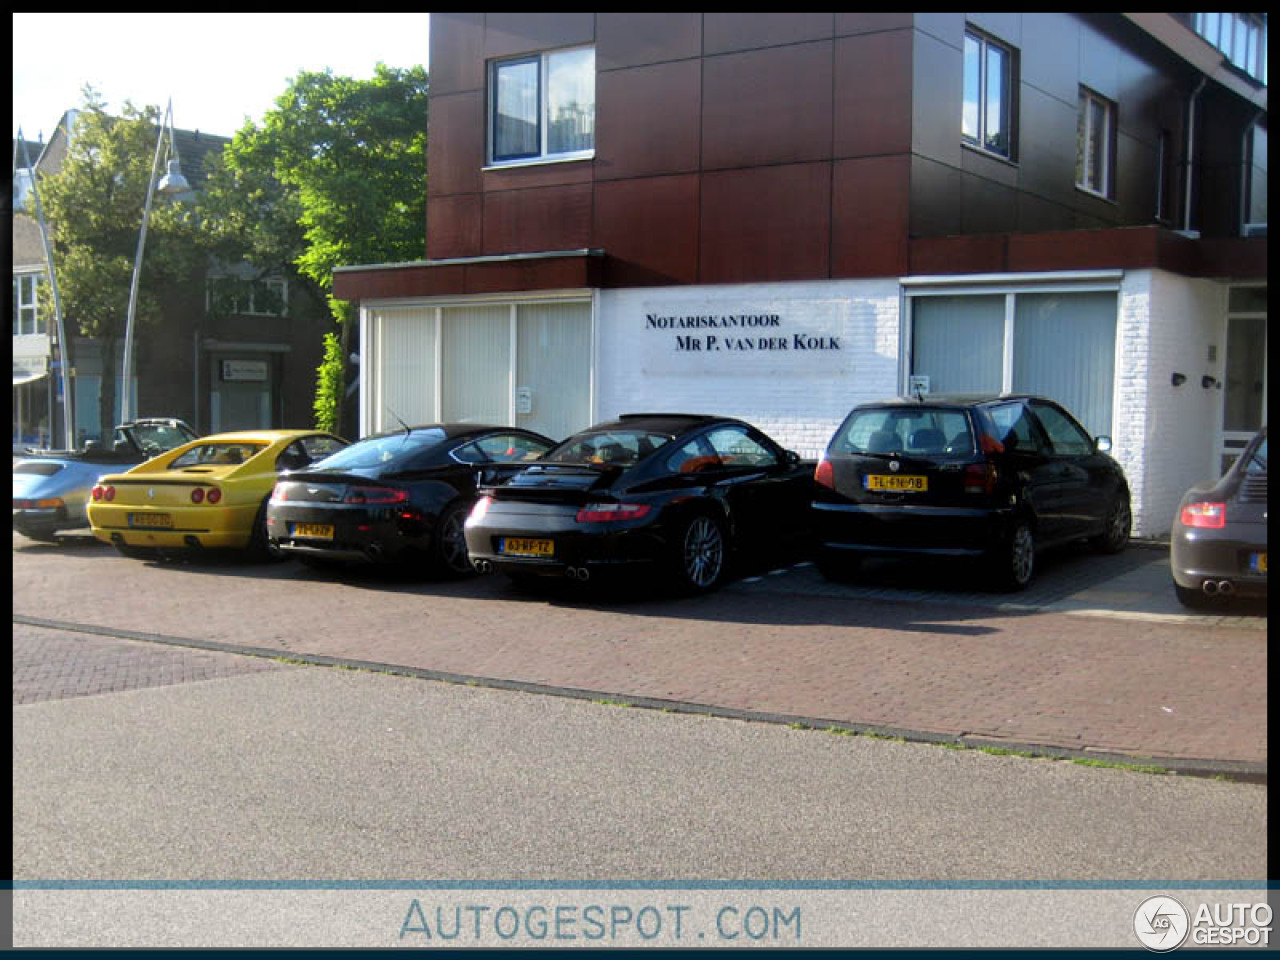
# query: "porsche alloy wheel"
{"type": "Point", "coordinates": [702, 554]}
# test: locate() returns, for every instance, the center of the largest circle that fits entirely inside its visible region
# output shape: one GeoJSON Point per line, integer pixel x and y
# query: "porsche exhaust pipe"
{"type": "Point", "coordinates": [1226, 588]}
{"type": "Point", "coordinates": [483, 566]}
{"type": "Point", "coordinates": [581, 574]}
{"type": "Point", "coordinates": [1218, 588]}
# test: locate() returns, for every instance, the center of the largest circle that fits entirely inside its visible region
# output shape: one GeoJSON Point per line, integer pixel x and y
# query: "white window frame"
{"type": "Point", "coordinates": [249, 309]}
{"type": "Point", "coordinates": [1009, 287]}
{"type": "Point", "coordinates": [1240, 37]}
{"type": "Point", "coordinates": [371, 411]}
{"type": "Point", "coordinates": [1099, 183]}
{"type": "Point", "coordinates": [29, 320]}
{"type": "Point", "coordinates": [1009, 99]}
{"type": "Point", "coordinates": [544, 155]}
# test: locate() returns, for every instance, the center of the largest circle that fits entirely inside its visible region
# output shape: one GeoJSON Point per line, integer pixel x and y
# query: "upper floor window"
{"type": "Point", "coordinates": [268, 297]}
{"type": "Point", "coordinates": [1242, 37]}
{"type": "Point", "coordinates": [1095, 143]}
{"type": "Point", "coordinates": [26, 311]}
{"type": "Point", "coordinates": [543, 106]}
{"type": "Point", "coordinates": [990, 79]}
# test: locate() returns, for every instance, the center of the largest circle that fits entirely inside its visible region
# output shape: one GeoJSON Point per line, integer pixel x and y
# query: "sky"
{"type": "Point", "coordinates": [219, 69]}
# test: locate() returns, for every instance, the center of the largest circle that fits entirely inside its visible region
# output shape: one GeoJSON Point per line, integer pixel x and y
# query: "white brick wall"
{"type": "Point", "coordinates": [797, 396]}
{"type": "Point", "coordinates": [1171, 433]}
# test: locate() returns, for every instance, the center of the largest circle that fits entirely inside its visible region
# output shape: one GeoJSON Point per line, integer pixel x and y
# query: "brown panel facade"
{"type": "Point", "coordinates": [638, 39]}
{"type": "Point", "coordinates": [750, 118]}
{"type": "Point", "coordinates": [455, 143]}
{"type": "Point", "coordinates": [766, 223]}
{"type": "Point", "coordinates": [530, 221]}
{"type": "Point", "coordinates": [870, 209]}
{"type": "Point", "coordinates": [728, 32]}
{"type": "Point", "coordinates": [457, 65]}
{"type": "Point", "coordinates": [508, 34]}
{"type": "Point", "coordinates": [648, 120]}
{"type": "Point", "coordinates": [649, 228]}
{"type": "Point", "coordinates": [454, 226]}
{"type": "Point", "coordinates": [873, 94]}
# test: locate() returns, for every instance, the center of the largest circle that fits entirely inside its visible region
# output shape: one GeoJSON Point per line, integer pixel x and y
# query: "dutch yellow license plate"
{"type": "Point", "coordinates": [317, 531]}
{"type": "Point", "coordinates": [154, 520]}
{"type": "Point", "coordinates": [524, 547]}
{"type": "Point", "coordinates": [897, 484]}
{"type": "Point", "coordinates": [1260, 562]}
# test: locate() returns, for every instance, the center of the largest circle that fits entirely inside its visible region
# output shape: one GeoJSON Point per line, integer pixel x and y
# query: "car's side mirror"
{"type": "Point", "coordinates": [1102, 444]}
{"type": "Point", "coordinates": [790, 457]}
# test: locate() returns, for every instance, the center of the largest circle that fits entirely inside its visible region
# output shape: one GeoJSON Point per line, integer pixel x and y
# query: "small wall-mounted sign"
{"type": "Point", "coordinates": [253, 370]}
{"type": "Point", "coordinates": [918, 385]}
{"type": "Point", "coordinates": [524, 400]}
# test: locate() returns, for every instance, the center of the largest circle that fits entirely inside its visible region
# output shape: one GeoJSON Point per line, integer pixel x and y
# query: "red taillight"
{"type": "Point", "coordinates": [980, 478]}
{"type": "Point", "coordinates": [104, 493]}
{"type": "Point", "coordinates": [96, 493]}
{"type": "Point", "coordinates": [197, 495]}
{"type": "Point", "coordinates": [213, 496]}
{"type": "Point", "coordinates": [611, 512]}
{"type": "Point", "coordinates": [480, 509]}
{"type": "Point", "coordinates": [989, 444]}
{"type": "Point", "coordinates": [1209, 516]}
{"type": "Point", "coordinates": [825, 474]}
{"type": "Point", "coordinates": [378, 495]}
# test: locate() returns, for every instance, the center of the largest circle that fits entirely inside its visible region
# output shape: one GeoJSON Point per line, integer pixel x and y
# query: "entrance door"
{"type": "Point", "coordinates": [241, 395]}
{"type": "Point", "coordinates": [1244, 392]}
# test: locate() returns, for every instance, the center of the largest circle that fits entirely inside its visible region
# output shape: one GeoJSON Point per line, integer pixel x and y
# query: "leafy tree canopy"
{"type": "Point", "coordinates": [94, 207]}
{"type": "Point", "coordinates": [335, 175]}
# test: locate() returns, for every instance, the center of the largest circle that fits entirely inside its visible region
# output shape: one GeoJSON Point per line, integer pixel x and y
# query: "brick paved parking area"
{"type": "Point", "coordinates": [1097, 659]}
{"type": "Point", "coordinates": [57, 664]}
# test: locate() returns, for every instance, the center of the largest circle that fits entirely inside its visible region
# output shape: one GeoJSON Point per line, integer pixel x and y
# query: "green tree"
{"type": "Point", "coordinates": [335, 175]}
{"type": "Point", "coordinates": [94, 207]}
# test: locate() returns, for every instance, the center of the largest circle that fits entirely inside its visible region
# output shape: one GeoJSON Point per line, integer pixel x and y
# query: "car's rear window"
{"type": "Point", "coordinates": [382, 450]}
{"type": "Point", "coordinates": [40, 469]}
{"type": "Point", "coordinates": [217, 454]}
{"type": "Point", "coordinates": [622, 447]}
{"type": "Point", "coordinates": [906, 431]}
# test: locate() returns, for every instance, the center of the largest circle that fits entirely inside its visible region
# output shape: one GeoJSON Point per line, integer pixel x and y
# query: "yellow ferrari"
{"type": "Point", "coordinates": [207, 494]}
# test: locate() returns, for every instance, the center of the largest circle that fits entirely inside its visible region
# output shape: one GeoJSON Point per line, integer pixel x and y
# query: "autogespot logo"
{"type": "Point", "coordinates": [1161, 924]}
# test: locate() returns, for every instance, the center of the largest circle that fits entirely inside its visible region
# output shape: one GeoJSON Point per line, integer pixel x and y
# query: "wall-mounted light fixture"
{"type": "Point", "coordinates": [1207, 381]}
{"type": "Point", "coordinates": [1178, 379]}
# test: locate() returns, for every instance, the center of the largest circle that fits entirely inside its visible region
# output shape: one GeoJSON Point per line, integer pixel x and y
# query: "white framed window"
{"type": "Point", "coordinates": [990, 87]}
{"type": "Point", "coordinates": [1242, 38]}
{"type": "Point", "coordinates": [524, 364]}
{"type": "Point", "coordinates": [264, 297]}
{"type": "Point", "coordinates": [27, 318]}
{"type": "Point", "coordinates": [543, 107]}
{"type": "Point", "coordinates": [1095, 143]}
{"type": "Point", "coordinates": [1057, 341]}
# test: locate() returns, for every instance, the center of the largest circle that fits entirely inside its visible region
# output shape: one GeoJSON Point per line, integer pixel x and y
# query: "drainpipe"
{"type": "Point", "coordinates": [1190, 153]}
{"type": "Point", "coordinates": [1245, 158]}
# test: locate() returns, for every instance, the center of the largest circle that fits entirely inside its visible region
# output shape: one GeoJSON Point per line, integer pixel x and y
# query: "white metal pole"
{"type": "Point", "coordinates": [126, 400]}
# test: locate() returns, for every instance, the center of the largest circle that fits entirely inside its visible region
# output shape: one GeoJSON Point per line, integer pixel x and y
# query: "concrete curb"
{"type": "Point", "coordinates": [1228, 769]}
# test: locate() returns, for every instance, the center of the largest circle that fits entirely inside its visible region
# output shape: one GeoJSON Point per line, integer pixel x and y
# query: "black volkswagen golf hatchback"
{"type": "Point", "coordinates": [994, 477]}
{"type": "Point", "coordinates": [674, 495]}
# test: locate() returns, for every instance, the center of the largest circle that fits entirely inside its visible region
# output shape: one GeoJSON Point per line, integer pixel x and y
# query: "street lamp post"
{"type": "Point", "coordinates": [172, 182]}
{"type": "Point", "coordinates": [68, 415]}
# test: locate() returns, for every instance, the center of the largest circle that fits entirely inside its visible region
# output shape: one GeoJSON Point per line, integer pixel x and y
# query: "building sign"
{"type": "Point", "coordinates": [785, 337]}
{"type": "Point", "coordinates": [255, 370]}
{"type": "Point", "coordinates": [28, 368]}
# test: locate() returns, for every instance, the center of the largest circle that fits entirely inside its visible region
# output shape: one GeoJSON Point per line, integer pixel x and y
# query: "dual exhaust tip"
{"type": "Point", "coordinates": [581, 574]}
{"type": "Point", "coordinates": [1218, 588]}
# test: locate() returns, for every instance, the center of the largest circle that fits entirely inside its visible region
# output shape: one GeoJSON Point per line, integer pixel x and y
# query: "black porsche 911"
{"type": "Point", "coordinates": [396, 498]}
{"type": "Point", "coordinates": [677, 494]}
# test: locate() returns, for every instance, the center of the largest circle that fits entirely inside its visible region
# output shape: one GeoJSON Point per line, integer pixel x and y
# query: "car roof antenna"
{"type": "Point", "coordinates": [399, 421]}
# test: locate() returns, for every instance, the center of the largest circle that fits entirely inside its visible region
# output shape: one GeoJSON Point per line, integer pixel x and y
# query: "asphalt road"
{"type": "Point", "coordinates": [270, 771]}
